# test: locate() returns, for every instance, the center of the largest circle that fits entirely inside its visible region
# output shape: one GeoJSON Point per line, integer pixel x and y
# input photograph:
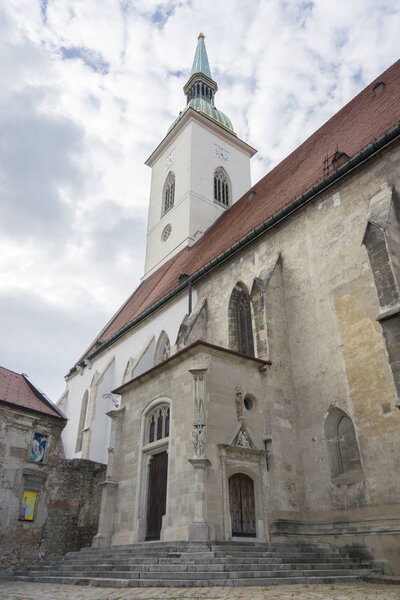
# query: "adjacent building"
{"type": "Point", "coordinates": [48, 504]}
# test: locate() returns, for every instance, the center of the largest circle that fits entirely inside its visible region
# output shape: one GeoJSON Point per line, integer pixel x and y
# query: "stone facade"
{"type": "Point", "coordinates": [261, 364]}
{"type": "Point", "coordinates": [314, 306]}
{"type": "Point", "coordinates": [200, 386]}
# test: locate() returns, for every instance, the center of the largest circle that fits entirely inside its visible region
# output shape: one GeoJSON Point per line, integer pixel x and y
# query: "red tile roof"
{"type": "Point", "coordinates": [15, 389]}
{"type": "Point", "coordinates": [365, 119]}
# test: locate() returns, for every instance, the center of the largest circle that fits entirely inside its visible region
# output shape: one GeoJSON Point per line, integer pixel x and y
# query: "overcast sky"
{"type": "Point", "coordinates": [88, 89]}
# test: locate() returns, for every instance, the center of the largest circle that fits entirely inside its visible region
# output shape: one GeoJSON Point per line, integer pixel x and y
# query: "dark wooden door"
{"type": "Point", "coordinates": [241, 501]}
{"type": "Point", "coordinates": [156, 495]}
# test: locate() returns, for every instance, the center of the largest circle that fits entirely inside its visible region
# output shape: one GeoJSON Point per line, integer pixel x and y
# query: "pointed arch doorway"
{"type": "Point", "coordinates": [156, 495]}
{"type": "Point", "coordinates": [242, 505]}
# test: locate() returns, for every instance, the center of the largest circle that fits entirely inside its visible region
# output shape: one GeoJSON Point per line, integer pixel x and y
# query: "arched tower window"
{"type": "Point", "coordinates": [168, 193]}
{"type": "Point", "coordinates": [240, 326]}
{"type": "Point", "coordinates": [82, 421]}
{"type": "Point", "coordinates": [343, 452]}
{"type": "Point", "coordinates": [157, 424]}
{"type": "Point", "coordinates": [222, 193]}
{"type": "Point", "coordinates": [163, 349]}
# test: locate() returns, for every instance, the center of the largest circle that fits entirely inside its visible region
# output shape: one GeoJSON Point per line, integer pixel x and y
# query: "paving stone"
{"type": "Point", "coordinates": [12, 590]}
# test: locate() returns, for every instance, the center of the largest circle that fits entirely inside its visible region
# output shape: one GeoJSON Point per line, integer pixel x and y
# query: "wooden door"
{"type": "Point", "coordinates": [156, 495]}
{"type": "Point", "coordinates": [241, 502]}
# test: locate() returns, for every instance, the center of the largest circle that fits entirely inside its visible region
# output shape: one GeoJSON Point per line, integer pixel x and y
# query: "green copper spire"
{"type": "Point", "coordinates": [201, 88]}
{"type": "Point", "coordinates": [200, 61]}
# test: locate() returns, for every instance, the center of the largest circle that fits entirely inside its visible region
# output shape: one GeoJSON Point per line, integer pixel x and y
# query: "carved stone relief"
{"type": "Point", "coordinates": [199, 432]}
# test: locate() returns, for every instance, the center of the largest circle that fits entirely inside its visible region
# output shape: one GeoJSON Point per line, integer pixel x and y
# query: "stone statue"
{"type": "Point", "coordinates": [239, 401]}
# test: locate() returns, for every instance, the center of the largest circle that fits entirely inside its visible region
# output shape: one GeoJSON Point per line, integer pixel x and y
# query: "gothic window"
{"type": "Point", "coordinates": [158, 424]}
{"type": "Point", "coordinates": [82, 422]}
{"type": "Point", "coordinates": [343, 452]}
{"type": "Point", "coordinates": [221, 187]}
{"type": "Point", "coordinates": [168, 193]}
{"type": "Point", "coordinates": [163, 348]}
{"type": "Point", "coordinates": [240, 325]}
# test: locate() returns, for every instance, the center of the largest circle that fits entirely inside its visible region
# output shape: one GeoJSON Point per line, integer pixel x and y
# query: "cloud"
{"type": "Point", "coordinates": [34, 339]}
{"type": "Point", "coordinates": [92, 59]}
{"type": "Point", "coordinates": [86, 96]}
{"type": "Point", "coordinates": [37, 167]}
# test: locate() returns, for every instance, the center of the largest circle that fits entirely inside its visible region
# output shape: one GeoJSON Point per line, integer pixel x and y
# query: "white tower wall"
{"type": "Point", "coordinates": [192, 151]}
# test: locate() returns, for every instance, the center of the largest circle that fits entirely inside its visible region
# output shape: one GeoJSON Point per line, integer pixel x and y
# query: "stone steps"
{"type": "Point", "coordinates": [197, 574]}
{"type": "Point", "coordinates": [99, 582]}
{"type": "Point", "coordinates": [210, 559]}
{"type": "Point", "coordinates": [161, 568]}
{"type": "Point", "coordinates": [199, 564]}
{"type": "Point", "coordinates": [198, 555]}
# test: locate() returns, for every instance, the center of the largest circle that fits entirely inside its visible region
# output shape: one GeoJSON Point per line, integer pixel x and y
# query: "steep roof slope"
{"type": "Point", "coordinates": [365, 119]}
{"type": "Point", "coordinates": [17, 390]}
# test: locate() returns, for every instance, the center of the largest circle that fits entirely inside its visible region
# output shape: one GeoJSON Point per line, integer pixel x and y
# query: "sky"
{"type": "Point", "coordinates": [88, 90]}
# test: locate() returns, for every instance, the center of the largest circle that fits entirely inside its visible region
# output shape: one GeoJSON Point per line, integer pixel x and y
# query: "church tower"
{"type": "Point", "coordinates": [199, 169]}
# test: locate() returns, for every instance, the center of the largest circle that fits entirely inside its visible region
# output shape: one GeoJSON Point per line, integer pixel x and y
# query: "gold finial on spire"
{"type": "Point", "coordinates": [201, 35]}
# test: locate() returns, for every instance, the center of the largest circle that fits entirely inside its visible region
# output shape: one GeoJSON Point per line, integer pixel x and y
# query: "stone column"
{"type": "Point", "coordinates": [199, 529]}
{"type": "Point", "coordinates": [110, 485]}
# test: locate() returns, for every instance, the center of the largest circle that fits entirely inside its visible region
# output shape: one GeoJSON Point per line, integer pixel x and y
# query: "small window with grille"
{"type": "Point", "coordinates": [222, 192]}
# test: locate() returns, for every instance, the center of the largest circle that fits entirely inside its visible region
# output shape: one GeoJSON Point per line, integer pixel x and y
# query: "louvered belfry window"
{"type": "Point", "coordinates": [221, 187]}
{"type": "Point", "coordinates": [169, 193]}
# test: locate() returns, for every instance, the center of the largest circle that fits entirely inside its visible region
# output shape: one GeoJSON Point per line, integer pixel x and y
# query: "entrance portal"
{"type": "Point", "coordinates": [241, 502]}
{"type": "Point", "coordinates": [157, 495]}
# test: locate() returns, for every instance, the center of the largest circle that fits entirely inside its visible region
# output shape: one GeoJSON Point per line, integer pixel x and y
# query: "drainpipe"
{"type": "Point", "coordinates": [182, 278]}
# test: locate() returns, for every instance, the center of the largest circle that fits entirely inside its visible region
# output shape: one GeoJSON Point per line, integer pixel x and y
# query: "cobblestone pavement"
{"type": "Point", "coordinates": [47, 591]}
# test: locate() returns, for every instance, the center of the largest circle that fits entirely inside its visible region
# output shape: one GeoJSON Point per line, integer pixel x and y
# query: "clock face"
{"type": "Point", "coordinates": [221, 153]}
{"type": "Point", "coordinates": [169, 161]}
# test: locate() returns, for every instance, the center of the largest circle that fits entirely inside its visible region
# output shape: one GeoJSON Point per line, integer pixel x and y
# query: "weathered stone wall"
{"type": "Point", "coordinates": [73, 506]}
{"type": "Point", "coordinates": [327, 349]}
{"type": "Point", "coordinates": [315, 301]}
{"type": "Point", "coordinates": [68, 492]}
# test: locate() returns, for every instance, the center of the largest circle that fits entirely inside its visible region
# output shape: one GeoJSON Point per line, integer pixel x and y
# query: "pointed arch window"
{"type": "Point", "coordinates": [240, 323]}
{"type": "Point", "coordinates": [163, 348]}
{"type": "Point", "coordinates": [244, 325]}
{"type": "Point", "coordinates": [158, 424]}
{"type": "Point", "coordinates": [168, 193]}
{"type": "Point", "coordinates": [222, 192]}
{"type": "Point", "coordinates": [343, 451]}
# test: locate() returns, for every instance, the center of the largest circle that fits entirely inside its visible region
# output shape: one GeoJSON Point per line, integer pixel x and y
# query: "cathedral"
{"type": "Point", "coordinates": [249, 387]}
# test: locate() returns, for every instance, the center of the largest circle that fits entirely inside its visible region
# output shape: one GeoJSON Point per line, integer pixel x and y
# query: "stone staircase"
{"type": "Point", "coordinates": [199, 564]}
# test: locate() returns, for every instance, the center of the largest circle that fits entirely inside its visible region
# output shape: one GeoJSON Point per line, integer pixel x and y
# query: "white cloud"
{"type": "Point", "coordinates": [90, 88]}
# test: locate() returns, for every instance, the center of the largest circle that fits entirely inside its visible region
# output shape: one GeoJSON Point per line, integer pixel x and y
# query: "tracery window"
{"type": "Point", "coordinates": [168, 193]}
{"type": "Point", "coordinates": [240, 321]}
{"type": "Point", "coordinates": [163, 348]}
{"type": "Point", "coordinates": [221, 186]}
{"type": "Point", "coordinates": [245, 333]}
{"type": "Point", "coordinates": [158, 423]}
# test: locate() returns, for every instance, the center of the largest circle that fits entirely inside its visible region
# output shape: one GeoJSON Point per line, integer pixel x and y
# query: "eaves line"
{"type": "Point", "coordinates": [356, 161]}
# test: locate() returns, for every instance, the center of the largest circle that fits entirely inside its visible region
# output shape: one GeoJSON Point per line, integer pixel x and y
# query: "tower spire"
{"type": "Point", "coordinates": [200, 84]}
{"type": "Point", "coordinates": [200, 89]}
{"type": "Point", "coordinates": [200, 61]}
